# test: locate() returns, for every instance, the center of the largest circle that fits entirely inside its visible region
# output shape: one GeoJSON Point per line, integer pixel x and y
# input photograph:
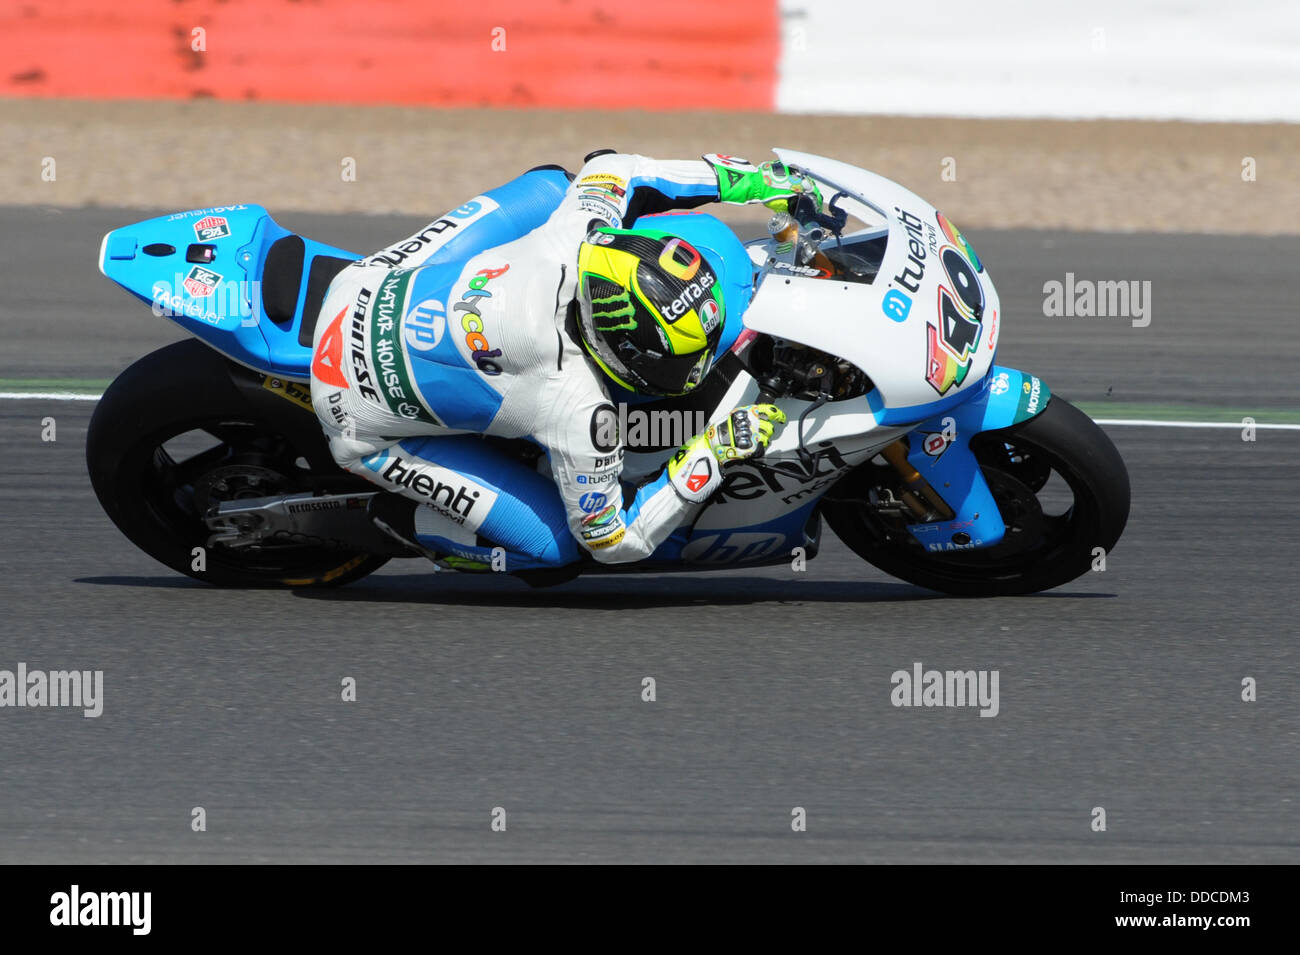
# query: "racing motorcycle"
{"type": "Point", "coordinates": [871, 322]}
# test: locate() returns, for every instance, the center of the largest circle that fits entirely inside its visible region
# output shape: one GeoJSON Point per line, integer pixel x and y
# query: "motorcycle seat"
{"type": "Point", "coordinates": [282, 280]}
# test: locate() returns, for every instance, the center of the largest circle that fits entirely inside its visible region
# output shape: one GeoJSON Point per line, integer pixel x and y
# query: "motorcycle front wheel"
{"type": "Point", "coordinates": [1060, 485]}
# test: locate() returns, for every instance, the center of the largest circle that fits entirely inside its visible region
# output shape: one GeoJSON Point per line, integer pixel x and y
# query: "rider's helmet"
{"type": "Point", "coordinates": [650, 309]}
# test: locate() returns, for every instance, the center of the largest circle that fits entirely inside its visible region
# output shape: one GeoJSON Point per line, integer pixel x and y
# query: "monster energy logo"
{"type": "Point", "coordinates": [610, 312]}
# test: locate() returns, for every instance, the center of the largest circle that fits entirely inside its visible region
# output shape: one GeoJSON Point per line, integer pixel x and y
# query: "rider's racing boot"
{"type": "Point", "coordinates": [404, 520]}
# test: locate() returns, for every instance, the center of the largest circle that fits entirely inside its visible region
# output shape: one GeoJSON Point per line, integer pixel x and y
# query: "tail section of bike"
{"type": "Point", "coordinates": [232, 277]}
{"type": "Point", "coordinates": [251, 289]}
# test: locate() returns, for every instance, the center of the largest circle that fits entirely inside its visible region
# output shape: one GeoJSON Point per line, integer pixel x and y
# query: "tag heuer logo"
{"type": "Point", "coordinates": [211, 227]}
{"type": "Point", "coordinates": [201, 282]}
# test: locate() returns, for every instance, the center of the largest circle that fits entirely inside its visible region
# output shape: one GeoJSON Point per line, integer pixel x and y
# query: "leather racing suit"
{"type": "Point", "coordinates": [412, 362]}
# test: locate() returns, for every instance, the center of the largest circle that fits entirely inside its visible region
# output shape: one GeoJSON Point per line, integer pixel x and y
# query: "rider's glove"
{"type": "Point", "coordinates": [744, 433]}
{"type": "Point", "coordinates": [695, 470]}
{"type": "Point", "coordinates": [771, 183]}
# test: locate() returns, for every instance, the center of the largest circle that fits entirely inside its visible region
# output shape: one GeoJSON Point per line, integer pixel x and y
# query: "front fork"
{"type": "Point", "coordinates": [944, 488]}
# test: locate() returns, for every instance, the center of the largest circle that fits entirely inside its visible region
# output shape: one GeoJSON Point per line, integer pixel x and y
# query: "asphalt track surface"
{"type": "Point", "coordinates": [1120, 690]}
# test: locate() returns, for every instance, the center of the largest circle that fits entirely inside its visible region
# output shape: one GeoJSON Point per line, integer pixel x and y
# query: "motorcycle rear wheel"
{"type": "Point", "coordinates": [187, 392]}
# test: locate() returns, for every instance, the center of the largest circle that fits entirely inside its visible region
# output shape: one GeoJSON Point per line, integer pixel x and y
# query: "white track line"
{"type": "Point", "coordinates": [1143, 422]}
{"type": "Point", "coordinates": [47, 396]}
{"type": "Point", "coordinates": [1235, 425]}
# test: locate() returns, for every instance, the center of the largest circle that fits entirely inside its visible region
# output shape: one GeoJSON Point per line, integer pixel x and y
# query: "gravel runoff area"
{"type": "Point", "coordinates": [1049, 174]}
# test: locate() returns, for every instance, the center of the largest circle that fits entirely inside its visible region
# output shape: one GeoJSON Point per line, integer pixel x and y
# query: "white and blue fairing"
{"type": "Point", "coordinates": [252, 289]}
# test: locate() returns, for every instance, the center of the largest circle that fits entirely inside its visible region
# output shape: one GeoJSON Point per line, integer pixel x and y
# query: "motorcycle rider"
{"type": "Point", "coordinates": [537, 329]}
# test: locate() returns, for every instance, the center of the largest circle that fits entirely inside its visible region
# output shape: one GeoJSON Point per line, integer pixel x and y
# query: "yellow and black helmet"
{"type": "Point", "coordinates": [650, 309]}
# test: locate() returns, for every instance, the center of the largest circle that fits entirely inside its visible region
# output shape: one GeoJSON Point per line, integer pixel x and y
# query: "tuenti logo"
{"type": "Point", "coordinates": [897, 302]}
{"type": "Point", "coordinates": [452, 495]}
{"type": "Point", "coordinates": [790, 480]}
{"type": "Point", "coordinates": [420, 247]}
{"type": "Point", "coordinates": [76, 908]}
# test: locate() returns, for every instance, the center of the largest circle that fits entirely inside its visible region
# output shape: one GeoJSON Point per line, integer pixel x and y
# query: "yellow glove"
{"type": "Point", "coordinates": [695, 470]}
{"type": "Point", "coordinates": [744, 433]}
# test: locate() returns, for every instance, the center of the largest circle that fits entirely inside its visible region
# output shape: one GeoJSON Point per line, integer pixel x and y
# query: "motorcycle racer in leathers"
{"type": "Point", "coordinates": [406, 378]}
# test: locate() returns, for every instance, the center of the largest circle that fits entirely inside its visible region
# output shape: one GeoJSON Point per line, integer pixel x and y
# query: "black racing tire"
{"type": "Point", "coordinates": [155, 500]}
{"type": "Point", "coordinates": [1038, 553]}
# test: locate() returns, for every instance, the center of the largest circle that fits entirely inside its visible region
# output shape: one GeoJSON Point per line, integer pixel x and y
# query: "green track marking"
{"type": "Point", "coordinates": [1167, 412]}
